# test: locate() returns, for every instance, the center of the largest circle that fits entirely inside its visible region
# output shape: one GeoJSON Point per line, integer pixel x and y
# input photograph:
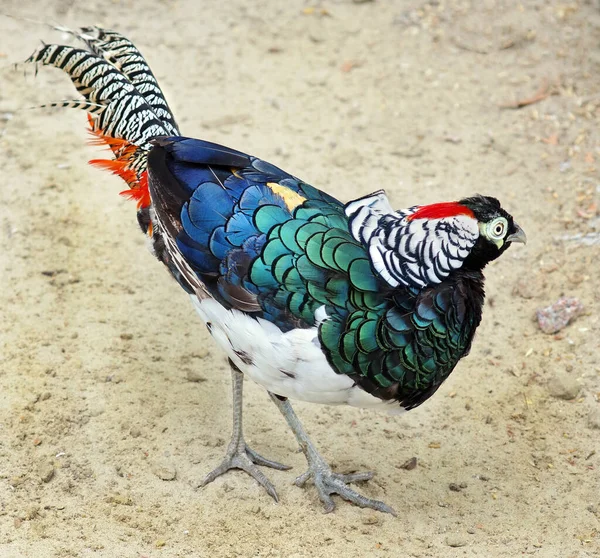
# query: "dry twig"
{"type": "Point", "coordinates": [539, 95]}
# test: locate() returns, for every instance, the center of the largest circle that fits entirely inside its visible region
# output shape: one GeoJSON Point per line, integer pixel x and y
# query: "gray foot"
{"type": "Point", "coordinates": [327, 483]}
{"type": "Point", "coordinates": [239, 455]}
{"type": "Point", "coordinates": [242, 457]}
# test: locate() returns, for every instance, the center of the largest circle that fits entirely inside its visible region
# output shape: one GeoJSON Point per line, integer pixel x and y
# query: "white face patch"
{"type": "Point", "coordinates": [494, 231]}
{"type": "Point", "coordinates": [412, 253]}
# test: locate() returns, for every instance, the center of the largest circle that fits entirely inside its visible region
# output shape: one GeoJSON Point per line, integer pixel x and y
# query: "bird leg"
{"type": "Point", "coordinates": [239, 455]}
{"type": "Point", "coordinates": [325, 480]}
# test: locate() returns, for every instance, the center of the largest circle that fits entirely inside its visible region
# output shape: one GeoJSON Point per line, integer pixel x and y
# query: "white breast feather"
{"type": "Point", "coordinates": [289, 364]}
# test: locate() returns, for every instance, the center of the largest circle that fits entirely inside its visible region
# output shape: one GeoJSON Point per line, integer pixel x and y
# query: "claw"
{"type": "Point", "coordinates": [327, 483]}
{"type": "Point", "coordinates": [356, 477]}
{"type": "Point", "coordinates": [260, 460]}
{"type": "Point", "coordinates": [303, 478]}
{"type": "Point", "coordinates": [246, 459]}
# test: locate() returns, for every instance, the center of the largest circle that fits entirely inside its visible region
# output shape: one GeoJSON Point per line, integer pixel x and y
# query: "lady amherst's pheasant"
{"type": "Point", "coordinates": [313, 299]}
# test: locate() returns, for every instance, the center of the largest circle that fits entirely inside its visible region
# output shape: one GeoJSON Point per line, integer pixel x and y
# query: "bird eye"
{"type": "Point", "coordinates": [498, 228]}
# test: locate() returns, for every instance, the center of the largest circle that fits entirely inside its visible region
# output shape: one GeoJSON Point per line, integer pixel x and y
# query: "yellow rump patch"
{"type": "Point", "coordinates": [291, 199]}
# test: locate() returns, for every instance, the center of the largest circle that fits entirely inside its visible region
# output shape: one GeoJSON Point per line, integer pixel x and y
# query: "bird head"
{"type": "Point", "coordinates": [497, 230]}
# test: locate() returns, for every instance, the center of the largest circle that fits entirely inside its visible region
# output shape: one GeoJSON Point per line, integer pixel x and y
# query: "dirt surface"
{"type": "Point", "coordinates": [109, 382]}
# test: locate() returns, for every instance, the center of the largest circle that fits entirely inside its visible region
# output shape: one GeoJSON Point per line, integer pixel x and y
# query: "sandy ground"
{"type": "Point", "coordinates": [108, 381]}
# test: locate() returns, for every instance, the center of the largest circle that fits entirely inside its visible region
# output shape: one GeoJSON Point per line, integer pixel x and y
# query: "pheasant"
{"type": "Point", "coordinates": [314, 299]}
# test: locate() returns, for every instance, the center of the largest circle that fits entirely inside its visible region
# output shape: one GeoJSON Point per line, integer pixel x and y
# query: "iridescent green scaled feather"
{"type": "Point", "coordinates": [397, 346]}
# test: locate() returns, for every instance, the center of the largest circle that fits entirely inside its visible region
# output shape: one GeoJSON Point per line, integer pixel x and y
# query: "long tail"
{"type": "Point", "coordinates": [125, 105]}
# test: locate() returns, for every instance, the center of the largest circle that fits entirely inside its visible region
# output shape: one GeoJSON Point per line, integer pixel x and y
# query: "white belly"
{"type": "Point", "coordinates": [289, 364]}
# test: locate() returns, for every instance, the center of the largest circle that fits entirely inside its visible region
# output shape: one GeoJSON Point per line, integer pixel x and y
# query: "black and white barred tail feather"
{"type": "Point", "coordinates": [125, 105]}
{"type": "Point", "coordinates": [126, 114]}
{"type": "Point", "coordinates": [92, 108]}
{"type": "Point", "coordinates": [127, 59]}
{"type": "Point", "coordinates": [127, 111]}
{"type": "Point", "coordinates": [120, 91]}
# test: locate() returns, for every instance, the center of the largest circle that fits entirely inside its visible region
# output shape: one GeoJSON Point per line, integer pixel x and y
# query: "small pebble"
{"type": "Point", "coordinates": [593, 419]}
{"type": "Point", "coordinates": [45, 471]}
{"type": "Point", "coordinates": [409, 464]}
{"type": "Point", "coordinates": [164, 471]}
{"type": "Point", "coordinates": [564, 166]}
{"type": "Point", "coordinates": [456, 541]}
{"type": "Point", "coordinates": [31, 512]}
{"type": "Point", "coordinates": [557, 316]}
{"type": "Point", "coordinates": [96, 407]}
{"type": "Point", "coordinates": [524, 288]}
{"type": "Point", "coordinates": [371, 519]}
{"type": "Point", "coordinates": [563, 386]}
{"type": "Point", "coordinates": [121, 499]}
{"type": "Point", "coordinates": [17, 481]}
{"type": "Point", "coordinates": [193, 376]}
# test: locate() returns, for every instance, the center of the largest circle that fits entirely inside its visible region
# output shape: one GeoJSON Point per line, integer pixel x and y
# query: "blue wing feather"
{"type": "Point", "coordinates": [190, 150]}
{"type": "Point", "coordinates": [247, 238]}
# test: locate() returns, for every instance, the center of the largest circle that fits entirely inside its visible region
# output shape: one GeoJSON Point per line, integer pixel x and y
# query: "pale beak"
{"type": "Point", "coordinates": [518, 236]}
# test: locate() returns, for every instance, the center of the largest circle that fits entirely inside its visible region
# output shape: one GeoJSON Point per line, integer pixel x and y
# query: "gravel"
{"type": "Point", "coordinates": [165, 471]}
{"type": "Point", "coordinates": [563, 386]}
{"type": "Point", "coordinates": [557, 316]}
{"type": "Point", "coordinates": [456, 541]}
